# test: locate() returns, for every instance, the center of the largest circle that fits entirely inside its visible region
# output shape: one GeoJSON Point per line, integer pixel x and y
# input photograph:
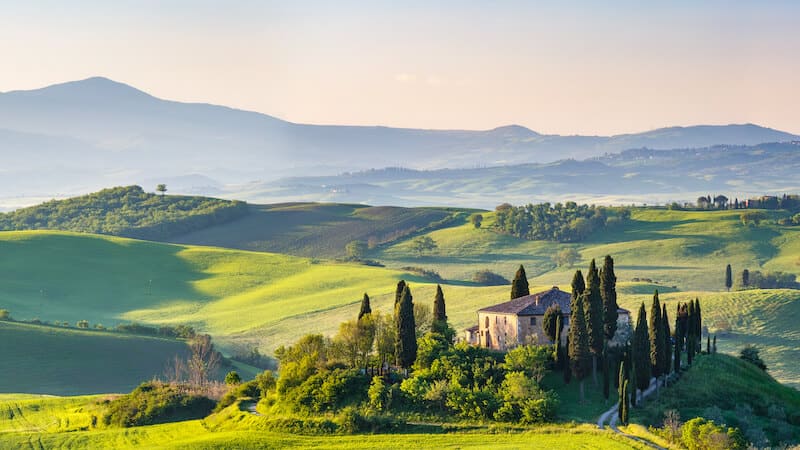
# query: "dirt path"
{"type": "Point", "coordinates": [251, 408]}
{"type": "Point", "coordinates": [611, 417]}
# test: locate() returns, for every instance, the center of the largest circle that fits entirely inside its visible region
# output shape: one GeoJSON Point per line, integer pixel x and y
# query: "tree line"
{"type": "Point", "coordinates": [568, 222]}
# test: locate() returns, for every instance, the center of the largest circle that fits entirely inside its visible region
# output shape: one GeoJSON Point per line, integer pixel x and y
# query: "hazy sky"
{"type": "Point", "coordinates": [585, 68]}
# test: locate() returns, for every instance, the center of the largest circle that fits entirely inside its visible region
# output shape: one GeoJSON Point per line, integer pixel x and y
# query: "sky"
{"type": "Point", "coordinates": [578, 67]}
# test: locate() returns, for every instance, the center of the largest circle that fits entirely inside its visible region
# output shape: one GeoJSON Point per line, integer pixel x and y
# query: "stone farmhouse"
{"type": "Point", "coordinates": [519, 321]}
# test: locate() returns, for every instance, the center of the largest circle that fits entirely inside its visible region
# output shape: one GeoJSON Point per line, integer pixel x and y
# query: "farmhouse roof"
{"type": "Point", "coordinates": [536, 304]}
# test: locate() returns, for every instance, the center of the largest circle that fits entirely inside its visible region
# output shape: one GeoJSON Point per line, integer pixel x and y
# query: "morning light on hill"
{"type": "Point", "coordinates": [367, 225]}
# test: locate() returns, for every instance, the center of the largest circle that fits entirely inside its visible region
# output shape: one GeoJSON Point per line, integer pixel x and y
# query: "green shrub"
{"type": "Point", "coordinates": [5, 314]}
{"type": "Point", "coordinates": [330, 390]}
{"type": "Point", "coordinates": [232, 378]}
{"type": "Point", "coordinates": [153, 403]}
{"type": "Point", "coordinates": [489, 278]}
{"type": "Point", "coordinates": [750, 354]}
{"type": "Point", "coordinates": [702, 434]}
{"type": "Point", "coordinates": [244, 390]}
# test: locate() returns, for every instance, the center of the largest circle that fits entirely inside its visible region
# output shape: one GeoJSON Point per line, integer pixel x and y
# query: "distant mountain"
{"type": "Point", "coordinates": [86, 134]}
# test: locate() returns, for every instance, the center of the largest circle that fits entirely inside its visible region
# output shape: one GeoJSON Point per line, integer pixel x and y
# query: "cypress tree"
{"type": "Point", "coordinates": [745, 278]}
{"type": "Point", "coordinates": [698, 322]}
{"type": "Point", "coordinates": [439, 324]}
{"type": "Point", "coordinates": [691, 340]}
{"type": "Point", "coordinates": [641, 352]}
{"type": "Point", "coordinates": [677, 358]}
{"type": "Point", "coordinates": [579, 352]}
{"type": "Point", "coordinates": [365, 308]}
{"type": "Point", "coordinates": [567, 363]}
{"type": "Point", "coordinates": [559, 358]}
{"type": "Point", "coordinates": [593, 308]}
{"type": "Point", "coordinates": [578, 286]}
{"type": "Point", "coordinates": [551, 322]}
{"type": "Point", "coordinates": [667, 342]}
{"type": "Point", "coordinates": [519, 287]}
{"type": "Point", "coordinates": [708, 345]}
{"type": "Point", "coordinates": [398, 292]}
{"type": "Point", "coordinates": [608, 290]}
{"type": "Point", "coordinates": [606, 375]}
{"type": "Point", "coordinates": [406, 347]}
{"type": "Point", "coordinates": [625, 405]}
{"type": "Point", "coordinates": [656, 333]}
{"type": "Point", "coordinates": [728, 277]}
{"type": "Point", "coordinates": [621, 390]}
{"type": "Point", "coordinates": [714, 347]}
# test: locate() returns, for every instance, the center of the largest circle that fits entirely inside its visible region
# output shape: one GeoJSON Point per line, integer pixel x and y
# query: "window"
{"type": "Point", "coordinates": [487, 321]}
{"type": "Point", "coordinates": [505, 320]}
{"type": "Point", "coordinates": [533, 321]}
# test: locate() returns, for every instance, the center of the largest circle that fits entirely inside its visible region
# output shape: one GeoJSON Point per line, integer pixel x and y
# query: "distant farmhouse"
{"type": "Point", "coordinates": [519, 321]}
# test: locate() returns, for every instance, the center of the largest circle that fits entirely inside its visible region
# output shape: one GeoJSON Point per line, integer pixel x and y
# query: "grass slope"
{"type": "Point", "coordinates": [43, 359]}
{"type": "Point", "coordinates": [314, 229]}
{"type": "Point", "coordinates": [28, 422]}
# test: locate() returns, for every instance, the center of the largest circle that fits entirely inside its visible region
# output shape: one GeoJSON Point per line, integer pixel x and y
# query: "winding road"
{"type": "Point", "coordinates": [611, 417]}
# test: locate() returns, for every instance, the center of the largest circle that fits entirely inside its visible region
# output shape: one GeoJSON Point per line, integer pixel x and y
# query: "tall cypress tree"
{"type": "Point", "coordinates": [439, 324]}
{"type": "Point", "coordinates": [728, 277]}
{"type": "Point", "coordinates": [578, 286]}
{"type": "Point", "coordinates": [625, 404]}
{"type": "Point", "coordinates": [621, 389]}
{"type": "Point", "coordinates": [606, 375]}
{"type": "Point", "coordinates": [365, 308]}
{"type": "Point", "coordinates": [656, 333]}
{"type": "Point", "coordinates": [714, 347]}
{"type": "Point", "coordinates": [519, 287]}
{"type": "Point", "coordinates": [557, 352]}
{"type": "Point", "coordinates": [579, 352]}
{"type": "Point", "coordinates": [641, 352]}
{"type": "Point", "coordinates": [698, 323]}
{"type": "Point", "coordinates": [567, 365]}
{"type": "Point", "coordinates": [406, 347]}
{"type": "Point", "coordinates": [667, 342]}
{"type": "Point", "coordinates": [593, 307]}
{"type": "Point", "coordinates": [398, 292]}
{"type": "Point", "coordinates": [691, 340]}
{"type": "Point", "coordinates": [608, 290]}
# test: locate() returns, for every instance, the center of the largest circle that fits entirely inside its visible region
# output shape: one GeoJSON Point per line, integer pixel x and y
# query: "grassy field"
{"type": "Point", "coordinates": [29, 422]}
{"type": "Point", "coordinates": [42, 359]}
{"type": "Point", "coordinates": [314, 229]}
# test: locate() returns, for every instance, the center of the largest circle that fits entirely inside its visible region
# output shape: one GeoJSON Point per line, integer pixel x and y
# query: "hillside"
{"type": "Point", "coordinates": [319, 229]}
{"type": "Point", "coordinates": [55, 360]}
{"type": "Point", "coordinates": [125, 211]}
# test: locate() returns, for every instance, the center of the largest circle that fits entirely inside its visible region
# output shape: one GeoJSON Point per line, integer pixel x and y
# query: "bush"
{"type": "Point", "coordinates": [330, 390]}
{"type": "Point", "coordinates": [5, 314]}
{"type": "Point", "coordinates": [425, 273]}
{"type": "Point", "coordinates": [244, 390]}
{"type": "Point", "coordinates": [751, 354]}
{"type": "Point", "coordinates": [232, 378]}
{"type": "Point", "coordinates": [489, 278]}
{"type": "Point", "coordinates": [702, 434]}
{"type": "Point", "coordinates": [155, 402]}
{"type": "Point", "coordinates": [265, 382]}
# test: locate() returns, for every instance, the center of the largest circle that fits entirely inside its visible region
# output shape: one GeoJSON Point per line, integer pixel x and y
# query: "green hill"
{"type": "Point", "coordinates": [53, 360]}
{"type": "Point", "coordinates": [125, 211]}
{"type": "Point", "coordinates": [319, 229]}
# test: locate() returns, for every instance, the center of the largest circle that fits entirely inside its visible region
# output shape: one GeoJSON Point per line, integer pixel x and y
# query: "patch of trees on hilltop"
{"type": "Point", "coordinates": [568, 222]}
{"type": "Point", "coordinates": [126, 211]}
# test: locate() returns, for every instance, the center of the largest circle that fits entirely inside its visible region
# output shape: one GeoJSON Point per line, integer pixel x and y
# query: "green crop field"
{"type": "Point", "coordinates": [52, 360]}
{"type": "Point", "coordinates": [30, 422]}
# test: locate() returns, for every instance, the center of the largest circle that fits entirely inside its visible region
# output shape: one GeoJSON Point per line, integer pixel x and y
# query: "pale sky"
{"type": "Point", "coordinates": [586, 68]}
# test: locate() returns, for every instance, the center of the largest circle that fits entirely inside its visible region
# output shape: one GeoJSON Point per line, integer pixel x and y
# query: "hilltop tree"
{"type": "Point", "coordinates": [728, 277]}
{"type": "Point", "coordinates": [519, 287]}
{"type": "Point", "coordinates": [406, 346]}
{"type": "Point", "coordinates": [579, 352]}
{"type": "Point", "coordinates": [476, 220]}
{"type": "Point", "coordinates": [162, 188]}
{"type": "Point", "coordinates": [422, 244]}
{"type": "Point", "coordinates": [365, 307]}
{"type": "Point", "coordinates": [667, 343]}
{"type": "Point", "coordinates": [745, 278]}
{"type": "Point", "coordinates": [551, 322]}
{"type": "Point", "coordinates": [657, 341]}
{"type": "Point", "coordinates": [641, 352]}
{"type": "Point", "coordinates": [593, 307]}
{"type": "Point", "coordinates": [608, 291]}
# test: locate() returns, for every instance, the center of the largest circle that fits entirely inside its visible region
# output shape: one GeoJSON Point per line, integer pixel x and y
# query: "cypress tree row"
{"type": "Point", "coordinates": [519, 287]}
{"type": "Point", "coordinates": [406, 346]}
{"type": "Point", "coordinates": [691, 340]}
{"type": "Point", "coordinates": [641, 352]}
{"type": "Point", "coordinates": [593, 308]}
{"type": "Point", "coordinates": [667, 342]}
{"type": "Point", "coordinates": [579, 352]}
{"type": "Point", "coordinates": [657, 342]}
{"type": "Point", "coordinates": [439, 324]}
{"type": "Point", "coordinates": [365, 308]}
{"type": "Point", "coordinates": [608, 290]}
